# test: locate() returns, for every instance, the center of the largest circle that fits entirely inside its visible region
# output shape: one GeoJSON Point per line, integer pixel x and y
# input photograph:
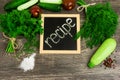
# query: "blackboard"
{"type": "Point", "coordinates": [59, 30]}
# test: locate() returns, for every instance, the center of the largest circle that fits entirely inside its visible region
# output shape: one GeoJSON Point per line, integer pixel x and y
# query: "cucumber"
{"type": "Point", "coordinates": [27, 5]}
{"type": "Point", "coordinates": [50, 7]}
{"type": "Point", "coordinates": [13, 4]}
{"type": "Point", "coordinates": [107, 47]}
{"type": "Point", "coordinates": [51, 1]}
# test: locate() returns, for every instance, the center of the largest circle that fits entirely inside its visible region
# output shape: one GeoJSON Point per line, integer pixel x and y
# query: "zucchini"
{"type": "Point", "coordinates": [107, 47]}
{"type": "Point", "coordinates": [13, 4]}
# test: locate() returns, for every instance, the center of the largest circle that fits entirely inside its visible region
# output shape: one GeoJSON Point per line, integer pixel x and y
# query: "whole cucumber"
{"type": "Point", "coordinates": [50, 7]}
{"type": "Point", "coordinates": [13, 4]}
{"type": "Point", "coordinates": [107, 47]}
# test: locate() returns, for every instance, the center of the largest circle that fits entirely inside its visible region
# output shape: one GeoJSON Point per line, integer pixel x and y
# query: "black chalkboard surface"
{"type": "Point", "coordinates": [59, 30]}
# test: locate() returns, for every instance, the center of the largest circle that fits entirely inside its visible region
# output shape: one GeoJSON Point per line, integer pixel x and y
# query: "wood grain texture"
{"type": "Point", "coordinates": [61, 67]}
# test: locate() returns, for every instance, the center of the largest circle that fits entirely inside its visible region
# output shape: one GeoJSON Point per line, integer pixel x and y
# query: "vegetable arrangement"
{"type": "Point", "coordinates": [24, 19]}
{"type": "Point", "coordinates": [52, 5]}
{"type": "Point", "coordinates": [100, 24]}
{"type": "Point", "coordinates": [20, 20]}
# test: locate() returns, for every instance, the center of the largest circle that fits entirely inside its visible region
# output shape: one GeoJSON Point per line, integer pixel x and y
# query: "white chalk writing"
{"type": "Point", "coordinates": [60, 33]}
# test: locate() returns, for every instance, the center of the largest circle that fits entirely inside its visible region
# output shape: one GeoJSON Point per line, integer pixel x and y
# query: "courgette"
{"type": "Point", "coordinates": [107, 47]}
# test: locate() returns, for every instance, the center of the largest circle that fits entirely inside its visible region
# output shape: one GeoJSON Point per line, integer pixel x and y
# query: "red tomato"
{"type": "Point", "coordinates": [35, 11]}
{"type": "Point", "coordinates": [68, 4]}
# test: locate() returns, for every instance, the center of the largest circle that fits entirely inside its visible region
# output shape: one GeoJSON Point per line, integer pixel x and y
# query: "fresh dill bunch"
{"type": "Point", "coordinates": [100, 24]}
{"type": "Point", "coordinates": [21, 23]}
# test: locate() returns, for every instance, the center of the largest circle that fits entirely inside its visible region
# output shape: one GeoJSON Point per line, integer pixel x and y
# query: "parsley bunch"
{"type": "Point", "coordinates": [17, 23]}
{"type": "Point", "coordinates": [100, 24]}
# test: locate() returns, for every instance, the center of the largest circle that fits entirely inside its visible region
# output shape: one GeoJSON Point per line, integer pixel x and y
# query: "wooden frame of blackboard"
{"type": "Point", "coordinates": [77, 51]}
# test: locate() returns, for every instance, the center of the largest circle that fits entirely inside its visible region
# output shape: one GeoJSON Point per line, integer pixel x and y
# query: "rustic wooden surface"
{"type": "Point", "coordinates": [61, 67]}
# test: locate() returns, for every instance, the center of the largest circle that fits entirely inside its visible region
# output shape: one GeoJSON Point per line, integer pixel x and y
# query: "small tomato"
{"type": "Point", "coordinates": [68, 4]}
{"type": "Point", "coordinates": [35, 11]}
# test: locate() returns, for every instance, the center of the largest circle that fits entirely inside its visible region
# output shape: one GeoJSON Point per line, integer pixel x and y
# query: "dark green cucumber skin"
{"type": "Point", "coordinates": [50, 7]}
{"type": "Point", "coordinates": [14, 4]}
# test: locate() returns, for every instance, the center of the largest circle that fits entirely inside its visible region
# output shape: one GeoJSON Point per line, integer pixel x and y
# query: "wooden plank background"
{"type": "Point", "coordinates": [61, 67]}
